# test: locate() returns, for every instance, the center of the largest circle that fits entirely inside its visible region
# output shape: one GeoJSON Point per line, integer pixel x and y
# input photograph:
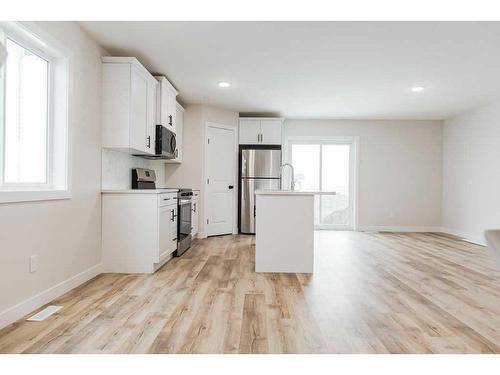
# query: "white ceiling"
{"type": "Point", "coordinates": [319, 69]}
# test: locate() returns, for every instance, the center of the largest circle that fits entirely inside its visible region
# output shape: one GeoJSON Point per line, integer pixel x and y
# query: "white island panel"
{"type": "Point", "coordinates": [284, 232]}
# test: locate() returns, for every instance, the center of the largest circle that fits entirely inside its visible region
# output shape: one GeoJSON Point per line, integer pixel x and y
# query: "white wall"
{"type": "Point", "coordinates": [471, 172]}
{"type": "Point", "coordinates": [189, 173]}
{"type": "Point", "coordinates": [117, 169]}
{"type": "Point", "coordinates": [400, 169]}
{"type": "Point", "coordinates": [66, 234]}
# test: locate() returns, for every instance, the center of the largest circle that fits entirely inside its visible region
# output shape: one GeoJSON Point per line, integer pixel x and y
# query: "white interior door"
{"type": "Point", "coordinates": [220, 173]}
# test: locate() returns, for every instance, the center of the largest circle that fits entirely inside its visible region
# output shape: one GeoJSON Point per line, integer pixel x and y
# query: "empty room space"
{"type": "Point", "coordinates": [249, 187]}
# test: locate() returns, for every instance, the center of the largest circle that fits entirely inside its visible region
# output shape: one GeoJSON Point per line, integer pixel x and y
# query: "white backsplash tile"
{"type": "Point", "coordinates": [117, 169]}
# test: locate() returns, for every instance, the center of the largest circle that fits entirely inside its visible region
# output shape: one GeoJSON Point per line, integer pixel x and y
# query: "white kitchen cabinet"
{"type": "Point", "coordinates": [249, 131]}
{"type": "Point", "coordinates": [179, 124]}
{"type": "Point", "coordinates": [195, 215]}
{"type": "Point", "coordinates": [167, 231]}
{"type": "Point", "coordinates": [265, 131]}
{"type": "Point", "coordinates": [139, 230]}
{"type": "Point", "coordinates": [128, 106]}
{"type": "Point", "coordinates": [270, 132]}
{"type": "Point", "coordinates": [173, 228]}
{"type": "Point", "coordinates": [166, 104]}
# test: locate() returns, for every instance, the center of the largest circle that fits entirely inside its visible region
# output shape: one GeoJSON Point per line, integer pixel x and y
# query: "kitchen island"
{"type": "Point", "coordinates": [284, 232]}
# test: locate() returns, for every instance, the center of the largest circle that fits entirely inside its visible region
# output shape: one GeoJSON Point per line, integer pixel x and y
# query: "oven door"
{"type": "Point", "coordinates": [185, 211]}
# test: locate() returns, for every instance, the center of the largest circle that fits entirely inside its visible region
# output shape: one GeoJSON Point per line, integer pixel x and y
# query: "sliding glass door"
{"type": "Point", "coordinates": [328, 168]}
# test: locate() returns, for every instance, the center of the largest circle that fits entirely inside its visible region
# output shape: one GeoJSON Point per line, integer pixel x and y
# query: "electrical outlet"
{"type": "Point", "coordinates": [33, 263]}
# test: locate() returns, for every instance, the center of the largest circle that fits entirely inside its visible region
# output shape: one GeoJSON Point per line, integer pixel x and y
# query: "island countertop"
{"type": "Point", "coordinates": [284, 192]}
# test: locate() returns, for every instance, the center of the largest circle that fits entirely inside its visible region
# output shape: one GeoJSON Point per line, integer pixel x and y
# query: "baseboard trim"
{"type": "Point", "coordinates": [383, 228]}
{"type": "Point", "coordinates": [478, 240]}
{"type": "Point", "coordinates": [27, 306]}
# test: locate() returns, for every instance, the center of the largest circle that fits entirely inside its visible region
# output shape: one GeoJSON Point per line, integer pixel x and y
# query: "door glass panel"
{"type": "Point", "coordinates": [316, 209]}
{"type": "Point", "coordinates": [305, 160]}
{"type": "Point", "coordinates": [335, 178]}
{"type": "Point", "coordinates": [334, 209]}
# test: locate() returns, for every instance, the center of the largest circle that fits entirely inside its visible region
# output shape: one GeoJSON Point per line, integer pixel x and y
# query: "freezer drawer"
{"type": "Point", "coordinates": [260, 163]}
{"type": "Point", "coordinates": [248, 188]}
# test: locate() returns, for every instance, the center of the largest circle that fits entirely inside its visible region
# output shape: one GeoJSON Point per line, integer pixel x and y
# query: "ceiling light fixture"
{"type": "Point", "coordinates": [224, 84]}
{"type": "Point", "coordinates": [417, 89]}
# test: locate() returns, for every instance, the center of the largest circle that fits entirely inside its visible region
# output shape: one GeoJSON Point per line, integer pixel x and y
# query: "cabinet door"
{"type": "Point", "coordinates": [194, 219]}
{"type": "Point", "coordinates": [151, 116]}
{"type": "Point", "coordinates": [164, 233]}
{"type": "Point", "coordinates": [179, 124]}
{"type": "Point", "coordinates": [173, 228]}
{"type": "Point", "coordinates": [270, 132]}
{"type": "Point", "coordinates": [172, 109]}
{"type": "Point", "coordinates": [249, 132]}
{"type": "Point", "coordinates": [139, 111]}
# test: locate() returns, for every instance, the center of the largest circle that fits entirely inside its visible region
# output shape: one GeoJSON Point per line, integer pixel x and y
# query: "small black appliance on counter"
{"type": "Point", "coordinates": [143, 178]}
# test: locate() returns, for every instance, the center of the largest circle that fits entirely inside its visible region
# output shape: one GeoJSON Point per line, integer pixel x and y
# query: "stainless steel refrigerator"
{"type": "Point", "coordinates": [259, 170]}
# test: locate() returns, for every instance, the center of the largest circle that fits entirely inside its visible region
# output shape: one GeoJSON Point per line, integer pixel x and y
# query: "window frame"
{"type": "Point", "coordinates": [27, 35]}
{"type": "Point", "coordinates": [48, 185]}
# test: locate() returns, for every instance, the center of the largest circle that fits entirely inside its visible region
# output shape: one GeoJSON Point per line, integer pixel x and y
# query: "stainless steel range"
{"type": "Point", "coordinates": [184, 220]}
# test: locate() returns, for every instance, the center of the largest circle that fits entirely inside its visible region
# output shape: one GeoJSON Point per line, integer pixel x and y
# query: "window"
{"type": "Point", "coordinates": [326, 167]}
{"type": "Point", "coordinates": [33, 120]}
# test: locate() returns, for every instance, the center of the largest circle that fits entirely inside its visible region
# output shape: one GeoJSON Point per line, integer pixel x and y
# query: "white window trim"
{"type": "Point", "coordinates": [30, 36]}
{"type": "Point", "coordinates": [353, 172]}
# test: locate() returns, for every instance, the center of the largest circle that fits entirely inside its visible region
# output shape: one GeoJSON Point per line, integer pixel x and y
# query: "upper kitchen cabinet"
{"type": "Point", "coordinates": [128, 106]}
{"type": "Point", "coordinates": [179, 124]}
{"type": "Point", "coordinates": [265, 131]}
{"type": "Point", "coordinates": [166, 104]}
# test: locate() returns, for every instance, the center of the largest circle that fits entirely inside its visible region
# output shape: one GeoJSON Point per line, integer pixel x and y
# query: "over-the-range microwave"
{"type": "Point", "coordinates": [165, 144]}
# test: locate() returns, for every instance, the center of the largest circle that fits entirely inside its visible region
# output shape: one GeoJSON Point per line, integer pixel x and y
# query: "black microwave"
{"type": "Point", "coordinates": [165, 146]}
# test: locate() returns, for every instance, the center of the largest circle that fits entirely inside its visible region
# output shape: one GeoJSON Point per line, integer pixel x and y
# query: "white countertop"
{"type": "Point", "coordinates": [283, 192]}
{"type": "Point", "coordinates": [139, 191]}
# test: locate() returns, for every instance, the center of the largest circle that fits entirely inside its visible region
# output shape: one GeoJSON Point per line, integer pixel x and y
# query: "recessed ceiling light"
{"type": "Point", "coordinates": [417, 89]}
{"type": "Point", "coordinates": [224, 84]}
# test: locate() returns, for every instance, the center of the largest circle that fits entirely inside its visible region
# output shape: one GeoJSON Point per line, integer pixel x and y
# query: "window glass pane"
{"type": "Point", "coordinates": [335, 168]}
{"type": "Point", "coordinates": [335, 209]}
{"type": "Point", "coordinates": [305, 160]}
{"type": "Point", "coordinates": [335, 178]}
{"type": "Point", "coordinates": [316, 209]}
{"type": "Point", "coordinates": [26, 96]}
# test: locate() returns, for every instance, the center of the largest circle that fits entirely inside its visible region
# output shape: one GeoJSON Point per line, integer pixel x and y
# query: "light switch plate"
{"type": "Point", "coordinates": [33, 263]}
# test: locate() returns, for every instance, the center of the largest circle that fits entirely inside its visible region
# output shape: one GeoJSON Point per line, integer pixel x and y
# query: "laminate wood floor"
{"type": "Point", "coordinates": [370, 293]}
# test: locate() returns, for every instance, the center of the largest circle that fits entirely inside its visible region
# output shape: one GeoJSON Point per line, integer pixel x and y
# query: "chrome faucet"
{"type": "Point", "coordinates": [292, 183]}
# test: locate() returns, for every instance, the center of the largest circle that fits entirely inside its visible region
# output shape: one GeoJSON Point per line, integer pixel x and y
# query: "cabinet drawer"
{"type": "Point", "coordinates": [167, 199]}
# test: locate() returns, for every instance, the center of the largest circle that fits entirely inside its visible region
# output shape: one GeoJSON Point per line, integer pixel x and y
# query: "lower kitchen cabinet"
{"type": "Point", "coordinates": [167, 232]}
{"type": "Point", "coordinates": [139, 230]}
